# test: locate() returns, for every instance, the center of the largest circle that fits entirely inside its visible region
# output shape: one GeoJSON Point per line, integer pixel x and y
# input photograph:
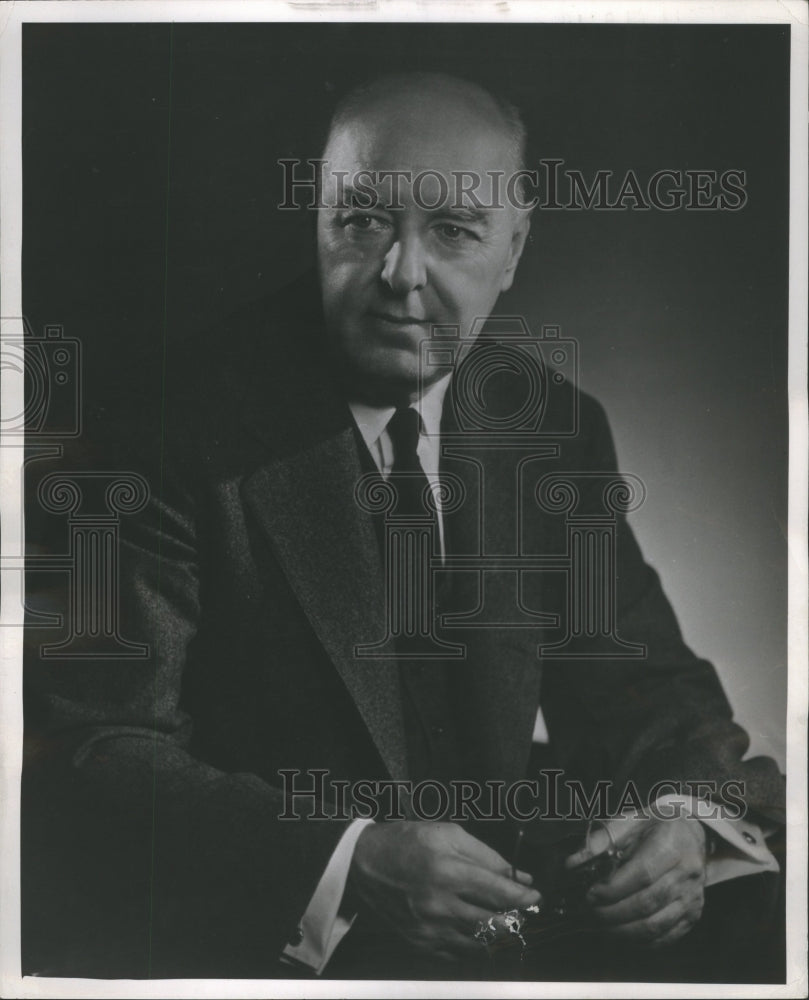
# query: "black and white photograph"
{"type": "Point", "coordinates": [404, 500]}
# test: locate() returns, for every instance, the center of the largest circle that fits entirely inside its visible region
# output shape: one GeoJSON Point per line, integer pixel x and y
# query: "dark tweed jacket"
{"type": "Point", "coordinates": [151, 839]}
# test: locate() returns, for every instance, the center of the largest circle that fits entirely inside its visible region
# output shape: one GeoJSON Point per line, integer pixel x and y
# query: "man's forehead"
{"type": "Point", "coordinates": [413, 162]}
{"type": "Point", "coordinates": [418, 143]}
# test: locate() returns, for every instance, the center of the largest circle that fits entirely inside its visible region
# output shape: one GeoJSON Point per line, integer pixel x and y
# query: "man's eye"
{"type": "Point", "coordinates": [453, 233]}
{"type": "Point", "coordinates": [362, 223]}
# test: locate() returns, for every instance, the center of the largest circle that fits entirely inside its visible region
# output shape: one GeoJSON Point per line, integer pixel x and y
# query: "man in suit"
{"type": "Point", "coordinates": [157, 835]}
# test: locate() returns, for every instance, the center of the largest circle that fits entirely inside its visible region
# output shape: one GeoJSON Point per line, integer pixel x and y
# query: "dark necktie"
{"type": "Point", "coordinates": [407, 473]}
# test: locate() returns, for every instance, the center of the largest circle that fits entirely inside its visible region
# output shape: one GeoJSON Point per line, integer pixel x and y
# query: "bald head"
{"type": "Point", "coordinates": [433, 105]}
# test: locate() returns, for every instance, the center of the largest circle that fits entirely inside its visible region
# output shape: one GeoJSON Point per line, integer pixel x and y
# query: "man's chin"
{"type": "Point", "coordinates": [386, 381]}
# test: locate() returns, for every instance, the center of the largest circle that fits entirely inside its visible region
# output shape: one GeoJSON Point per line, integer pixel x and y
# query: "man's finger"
{"type": "Point", "coordinates": [678, 931]}
{"type": "Point", "coordinates": [442, 938]}
{"type": "Point", "coordinates": [655, 927]}
{"type": "Point", "coordinates": [620, 833]}
{"type": "Point", "coordinates": [447, 942]}
{"type": "Point", "coordinates": [646, 866]}
{"type": "Point", "coordinates": [463, 943]}
{"type": "Point", "coordinates": [455, 930]}
{"type": "Point", "coordinates": [466, 920]}
{"type": "Point", "coordinates": [491, 891]}
{"type": "Point", "coordinates": [466, 916]}
{"type": "Point", "coordinates": [475, 850]}
{"type": "Point", "coordinates": [641, 904]}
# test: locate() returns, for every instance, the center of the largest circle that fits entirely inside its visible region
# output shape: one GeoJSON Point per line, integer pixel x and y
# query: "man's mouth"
{"type": "Point", "coordinates": [395, 319]}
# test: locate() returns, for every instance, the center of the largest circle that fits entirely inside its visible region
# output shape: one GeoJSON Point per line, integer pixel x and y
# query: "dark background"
{"type": "Point", "coordinates": [150, 190]}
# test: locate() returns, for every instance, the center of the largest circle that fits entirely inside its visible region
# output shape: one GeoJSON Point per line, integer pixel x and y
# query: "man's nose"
{"type": "Point", "coordinates": [405, 269]}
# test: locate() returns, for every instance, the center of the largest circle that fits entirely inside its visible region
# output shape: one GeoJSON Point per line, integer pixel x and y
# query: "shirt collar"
{"type": "Point", "coordinates": [371, 421]}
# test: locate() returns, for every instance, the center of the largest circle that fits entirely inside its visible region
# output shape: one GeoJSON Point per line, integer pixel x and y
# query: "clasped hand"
{"type": "Point", "coordinates": [432, 882]}
{"type": "Point", "coordinates": [657, 894]}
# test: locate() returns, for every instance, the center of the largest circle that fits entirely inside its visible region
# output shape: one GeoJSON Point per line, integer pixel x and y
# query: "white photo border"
{"type": "Point", "coordinates": [794, 13]}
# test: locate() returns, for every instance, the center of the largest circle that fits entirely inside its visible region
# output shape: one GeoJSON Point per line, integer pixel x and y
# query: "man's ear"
{"type": "Point", "coordinates": [521, 229]}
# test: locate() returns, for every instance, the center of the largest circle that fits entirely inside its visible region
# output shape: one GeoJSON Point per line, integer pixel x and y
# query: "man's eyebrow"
{"type": "Point", "coordinates": [465, 214]}
{"type": "Point", "coordinates": [365, 197]}
{"type": "Point", "coordinates": [370, 197]}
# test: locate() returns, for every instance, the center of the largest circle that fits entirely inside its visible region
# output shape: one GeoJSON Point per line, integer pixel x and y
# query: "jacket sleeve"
{"type": "Point", "coordinates": [139, 859]}
{"type": "Point", "coordinates": [663, 716]}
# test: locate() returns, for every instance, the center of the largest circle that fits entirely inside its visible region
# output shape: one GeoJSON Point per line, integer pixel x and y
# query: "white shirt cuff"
{"type": "Point", "coordinates": [321, 927]}
{"type": "Point", "coordinates": [745, 849]}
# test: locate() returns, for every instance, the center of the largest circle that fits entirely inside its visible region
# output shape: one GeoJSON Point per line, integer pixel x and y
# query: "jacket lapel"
{"type": "Point", "coordinates": [328, 549]}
